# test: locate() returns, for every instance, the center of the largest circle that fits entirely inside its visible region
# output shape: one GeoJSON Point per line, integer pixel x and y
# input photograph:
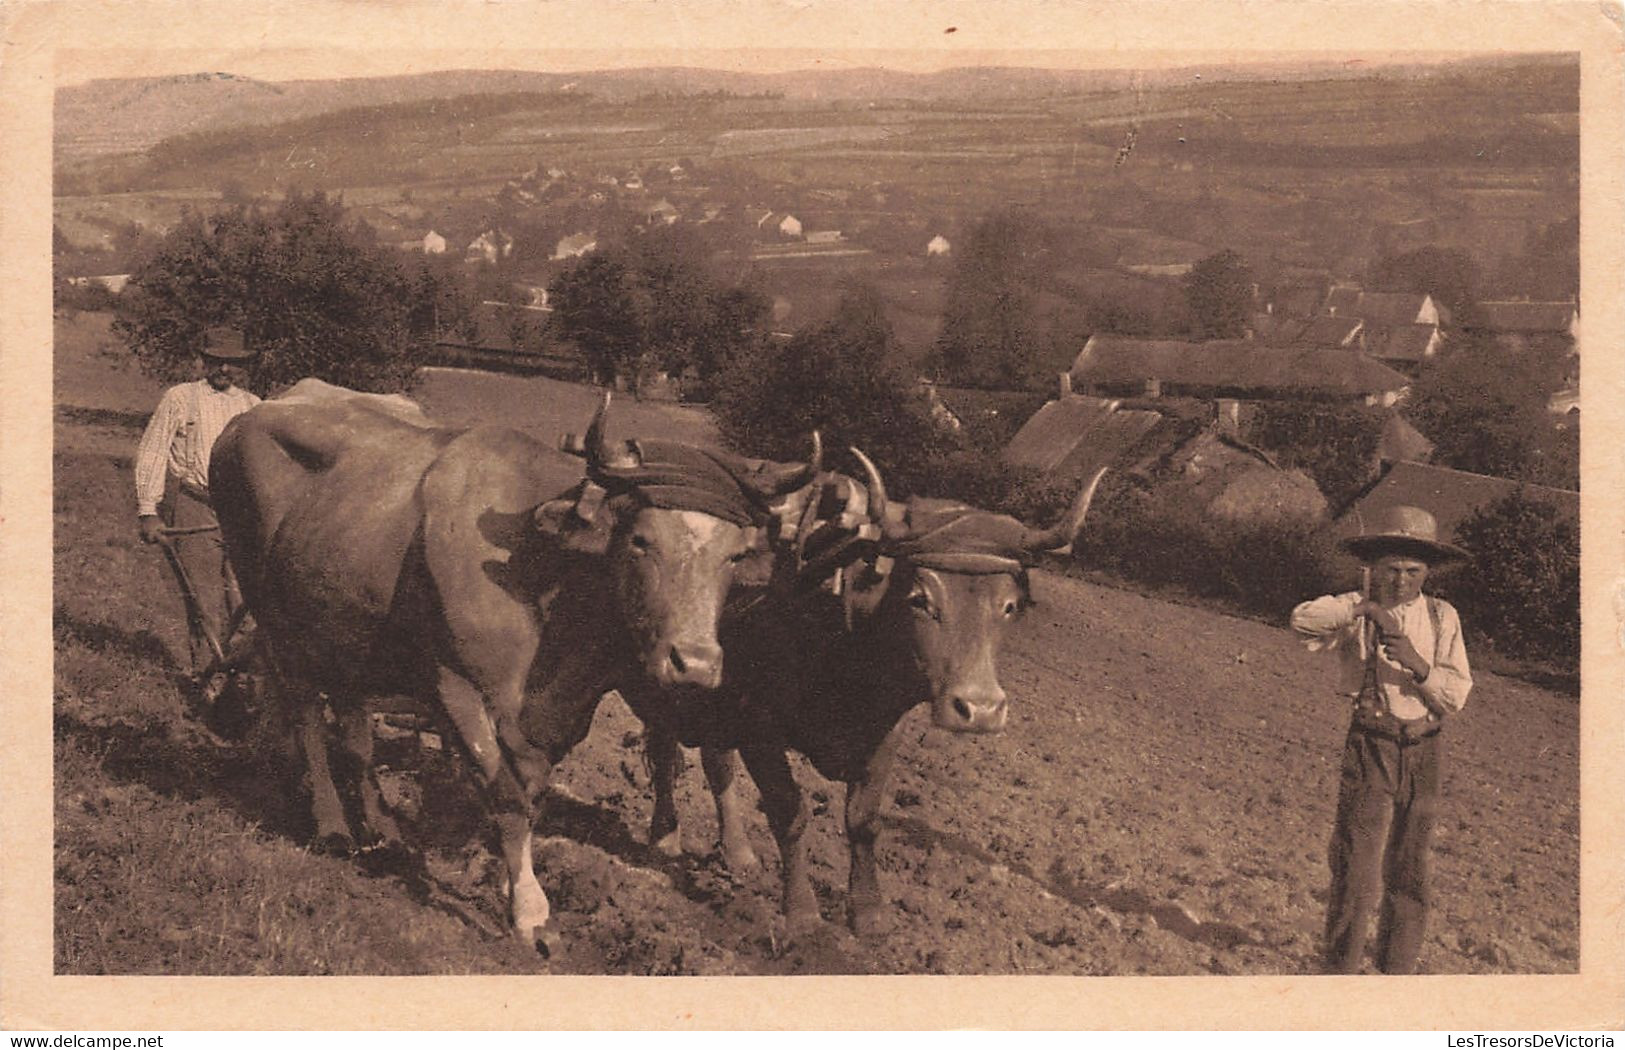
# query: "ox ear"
{"type": "Point", "coordinates": [864, 586]}
{"type": "Point", "coordinates": [577, 520]}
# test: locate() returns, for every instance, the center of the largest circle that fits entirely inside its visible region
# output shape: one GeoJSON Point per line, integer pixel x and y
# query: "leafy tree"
{"type": "Point", "coordinates": [650, 299]}
{"type": "Point", "coordinates": [316, 296]}
{"type": "Point", "coordinates": [595, 305]}
{"type": "Point", "coordinates": [1219, 290]}
{"type": "Point", "coordinates": [1548, 268]}
{"type": "Point", "coordinates": [1484, 408]}
{"type": "Point", "coordinates": [840, 377]}
{"type": "Point", "coordinates": [988, 334]}
{"type": "Point", "coordinates": [441, 300]}
{"type": "Point", "coordinates": [1449, 275]}
{"type": "Point", "coordinates": [1523, 587]}
{"type": "Point", "coordinates": [1336, 445]}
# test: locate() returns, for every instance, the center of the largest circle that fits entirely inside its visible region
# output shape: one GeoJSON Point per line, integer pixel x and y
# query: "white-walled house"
{"type": "Point", "coordinates": [938, 245]}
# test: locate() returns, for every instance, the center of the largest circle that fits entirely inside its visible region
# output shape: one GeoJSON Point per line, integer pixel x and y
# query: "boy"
{"type": "Point", "coordinates": [1405, 668]}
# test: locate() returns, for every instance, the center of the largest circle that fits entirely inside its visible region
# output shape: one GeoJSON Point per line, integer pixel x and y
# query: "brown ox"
{"type": "Point", "coordinates": [385, 557]}
{"type": "Point", "coordinates": [920, 620]}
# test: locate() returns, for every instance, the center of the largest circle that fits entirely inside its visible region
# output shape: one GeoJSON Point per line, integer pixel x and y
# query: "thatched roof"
{"type": "Point", "coordinates": [1451, 496]}
{"type": "Point", "coordinates": [1231, 366]}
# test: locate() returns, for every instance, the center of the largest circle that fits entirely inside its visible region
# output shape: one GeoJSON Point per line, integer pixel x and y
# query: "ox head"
{"type": "Point", "coordinates": [945, 584]}
{"type": "Point", "coordinates": [674, 521]}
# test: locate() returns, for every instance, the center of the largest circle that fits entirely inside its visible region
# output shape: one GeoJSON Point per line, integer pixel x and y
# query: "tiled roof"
{"type": "Point", "coordinates": [1076, 435]}
{"type": "Point", "coordinates": [1526, 317]}
{"type": "Point", "coordinates": [1451, 496]}
{"type": "Point", "coordinates": [1329, 331]}
{"type": "Point", "coordinates": [1404, 342]}
{"type": "Point", "coordinates": [1382, 309]}
{"type": "Point", "coordinates": [1232, 365]}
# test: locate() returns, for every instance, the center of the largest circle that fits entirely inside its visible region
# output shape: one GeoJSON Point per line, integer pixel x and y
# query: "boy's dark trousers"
{"type": "Point", "coordinates": [1387, 800]}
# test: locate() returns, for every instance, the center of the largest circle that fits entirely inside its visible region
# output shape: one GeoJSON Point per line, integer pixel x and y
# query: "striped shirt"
{"type": "Point", "coordinates": [180, 436]}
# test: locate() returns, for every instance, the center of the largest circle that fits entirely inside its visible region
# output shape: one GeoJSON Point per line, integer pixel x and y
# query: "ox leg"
{"type": "Point", "coordinates": [665, 837]}
{"type": "Point", "coordinates": [719, 775]}
{"type": "Point", "coordinates": [374, 821]}
{"type": "Point", "coordinates": [863, 798]}
{"type": "Point", "coordinates": [786, 811]}
{"type": "Point", "coordinates": [327, 807]}
{"type": "Point", "coordinates": [514, 805]}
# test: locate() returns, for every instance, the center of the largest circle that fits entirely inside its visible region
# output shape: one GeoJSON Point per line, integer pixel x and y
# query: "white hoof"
{"type": "Point", "coordinates": [669, 845]}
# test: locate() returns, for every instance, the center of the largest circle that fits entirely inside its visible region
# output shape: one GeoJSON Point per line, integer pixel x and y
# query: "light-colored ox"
{"type": "Point", "coordinates": [476, 572]}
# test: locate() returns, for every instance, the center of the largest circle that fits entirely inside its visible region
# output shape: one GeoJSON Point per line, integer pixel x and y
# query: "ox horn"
{"type": "Point", "coordinates": [1059, 537]}
{"type": "Point", "coordinates": [599, 452]}
{"type": "Point", "coordinates": [879, 503]}
{"type": "Point", "coordinates": [773, 480]}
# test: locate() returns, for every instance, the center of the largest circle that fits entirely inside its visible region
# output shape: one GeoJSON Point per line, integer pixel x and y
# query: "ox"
{"type": "Point", "coordinates": [476, 573]}
{"type": "Point", "coordinates": [918, 618]}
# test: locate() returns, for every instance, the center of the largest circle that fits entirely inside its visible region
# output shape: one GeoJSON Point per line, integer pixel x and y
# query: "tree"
{"type": "Point", "coordinates": [840, 377]}
{"type": "Point", "coordinates": [988, 334]}
{"type": "Point", "coordinates": [1523, 587]}
{"type": "Point", "coordinates": [1219, 290]}
{"type": "Point", "coordinates": [316, 296]}
{"type": "Point", "coordinates": [1449, 275]}
{"type": "Point", "coordinates": [595, 307]}
{"type": "Point", "coordinates": [650, 299]}
{"type": "Point", "coordinates": [1484, 408]}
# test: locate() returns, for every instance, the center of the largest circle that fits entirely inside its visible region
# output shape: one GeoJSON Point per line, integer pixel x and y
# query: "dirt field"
{"type": "Point", "coordinates": [1159, 805]}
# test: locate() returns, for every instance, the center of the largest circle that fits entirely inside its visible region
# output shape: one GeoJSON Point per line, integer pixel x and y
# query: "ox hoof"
{"type": "Point", "coordinates": [333, 844]}
{"type": "Point", "coordinates": [866, 920]}
{"type": "Point", "coordinates": [739, 859]}
{"type": "Point", "coordinates": [544, 939]}
{"type": "Point", "coordinates": [669, 845]}
{"type": "Point", "coordinates": [801, 922]}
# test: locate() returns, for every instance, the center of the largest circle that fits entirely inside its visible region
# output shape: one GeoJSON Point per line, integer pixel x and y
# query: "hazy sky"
{"type": "Point", "coordinates": [322, 39]}
{"type": "Point", "coordinates": [303, 63]}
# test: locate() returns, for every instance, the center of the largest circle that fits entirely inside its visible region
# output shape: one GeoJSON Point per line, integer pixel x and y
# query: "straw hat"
{"type": "Point", "coordinates": [225, 344]}
{"type": "Point", "coordinates": [1400, 529]}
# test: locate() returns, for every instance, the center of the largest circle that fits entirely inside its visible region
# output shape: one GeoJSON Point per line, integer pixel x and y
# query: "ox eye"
{"type": "Point", "coordinates": [738, 557]}
{"type": "Point", "coordinates": [922, 601]}
{"type": "Point", "coordinates": [1011, 607]}
{"type": "Point", "coordinates": [640, 544]}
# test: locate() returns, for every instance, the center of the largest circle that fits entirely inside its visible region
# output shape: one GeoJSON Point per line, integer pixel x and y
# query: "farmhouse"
{"type": "Point", "coordinates": [489, 247]}
{"type": "Point", "coordinates": [1299, 300]}
{"type": "Point", "coordinates": [1156, 256]}
{"type": "Point", "coordinates": [1386, 309]}
{"type": "Point", "coordinates": [1330, 332]}
{"type": "Point", "coordinates": [1183, 450]}
{"type": "Point", "coordinates": [1404, 346]}
{"type": "Point", "coordinates": [788, 226]}
{"type": "Point", "coordinates": [575, 246]}
{"type": "Point", "coordinates": [1231, 368]}
{"type": "Point", "coordinates": [662, 210]}
{"type": "Point", "coordinates": [112, 282]}
{"type": "Point", "coordinates": [937, 245]}
{"type": "Point", "coordinates": [824, 237]}
{"type": "Point", "coordinates": [1551, 327]}
{"type": "Point", "coordinates": [433, 244]}
{"type": "Point", "coordinates": [1073, 436]}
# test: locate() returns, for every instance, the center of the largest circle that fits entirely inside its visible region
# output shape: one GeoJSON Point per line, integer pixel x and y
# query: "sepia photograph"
{"type": "Point", "coordinates": [839, 506]}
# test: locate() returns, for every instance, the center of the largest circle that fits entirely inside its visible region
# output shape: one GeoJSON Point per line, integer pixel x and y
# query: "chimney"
{"type": "Point", "coordinates": [1066, 385]}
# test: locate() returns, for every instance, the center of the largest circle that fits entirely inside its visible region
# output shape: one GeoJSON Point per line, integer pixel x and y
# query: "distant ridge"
{"type": "Point", "coordinates": [103, 117]}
